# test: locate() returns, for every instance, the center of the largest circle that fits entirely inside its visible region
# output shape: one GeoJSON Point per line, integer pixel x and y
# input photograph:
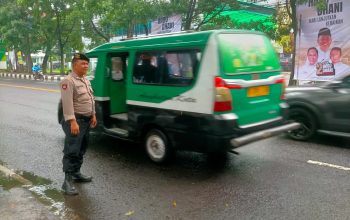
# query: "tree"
{"type": "Point", "coordinates": [68, 25]}
{"type": "Point", "coordinates": [197, 13]}
{"type": "Point", "coordinates": [45, 27]}
{"type": "Point", "coordinates": [103, 18]}
{"type": "Point", "coordinates": [16, 27]}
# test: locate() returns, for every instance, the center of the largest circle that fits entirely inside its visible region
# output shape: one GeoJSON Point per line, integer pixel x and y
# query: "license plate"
{"type": "Point", "coordinates": [258, 91]}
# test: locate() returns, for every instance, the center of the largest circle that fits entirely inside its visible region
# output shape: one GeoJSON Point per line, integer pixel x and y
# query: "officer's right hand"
{"type": "Point", "coordinates": [74, 127]}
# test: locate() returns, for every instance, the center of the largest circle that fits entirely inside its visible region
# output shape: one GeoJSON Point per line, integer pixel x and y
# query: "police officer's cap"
{"type": "Point", "coordinates": [80, 56]}
{"type": "Point", "coordinates": [324, 31]}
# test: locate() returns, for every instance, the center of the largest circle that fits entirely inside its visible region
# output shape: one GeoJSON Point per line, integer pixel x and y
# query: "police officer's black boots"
{"type": "Point", "coordinates": [78, 177]}
{"type": "Point", "coordinates": [68, 187]}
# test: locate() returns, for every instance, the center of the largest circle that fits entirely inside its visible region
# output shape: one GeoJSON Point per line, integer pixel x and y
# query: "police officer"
{"type": "Point", "coordinates": [79, 115]}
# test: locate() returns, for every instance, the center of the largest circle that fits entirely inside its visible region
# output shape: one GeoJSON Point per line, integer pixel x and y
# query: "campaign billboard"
{"type": "Point", "coordinates": [322, 41]}
{"type": "Point", "coordinates": [166, 24]}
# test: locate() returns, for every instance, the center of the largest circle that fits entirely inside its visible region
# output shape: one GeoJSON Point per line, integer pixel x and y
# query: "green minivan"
{"type": "Point", "coordinates": [208, 91]}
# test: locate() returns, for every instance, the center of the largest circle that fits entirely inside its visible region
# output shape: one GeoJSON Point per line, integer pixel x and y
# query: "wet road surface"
{"type": "Point", "coordinates": [270, 179]}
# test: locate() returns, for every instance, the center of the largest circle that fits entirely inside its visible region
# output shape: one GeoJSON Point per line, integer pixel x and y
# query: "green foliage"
{"type": "Point", "coordinates": [197, 13]}
{"type": "Point", "coordinates": [57, 26]}
{"type": "Point", "coordinates": [286, 43]}
{"type": "Point", "coordinates": [102, 18]}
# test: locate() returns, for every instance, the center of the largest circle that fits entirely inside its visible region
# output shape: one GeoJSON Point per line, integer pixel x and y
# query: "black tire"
{"type": "Point", "coordinates": [308, 124]}
{"type": "Point", "coordinates": [157, 146]}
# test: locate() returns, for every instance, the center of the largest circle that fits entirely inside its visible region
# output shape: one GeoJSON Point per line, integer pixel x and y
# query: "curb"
{"type": "Point", "coordinates": [30, 76]}
{"type": "Point", "coordinates": [15, 176]}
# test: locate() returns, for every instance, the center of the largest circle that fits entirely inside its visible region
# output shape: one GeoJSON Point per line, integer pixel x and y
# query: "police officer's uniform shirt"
{"type": "Point", "coordinates": [77, 97]}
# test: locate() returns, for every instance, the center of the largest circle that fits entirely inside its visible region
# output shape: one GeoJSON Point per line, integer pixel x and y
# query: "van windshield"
{"type": "Point", "coordinates": [242, 53]}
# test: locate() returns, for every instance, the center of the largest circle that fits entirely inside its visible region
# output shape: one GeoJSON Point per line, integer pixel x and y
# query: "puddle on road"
{"type": "Point", "coordinates": [43, 190]}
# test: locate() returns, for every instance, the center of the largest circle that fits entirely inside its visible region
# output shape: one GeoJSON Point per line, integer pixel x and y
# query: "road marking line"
{"type": "Point", "coordinates": [32, 88]}
{"type": "Point", "coordinates": [328, 165]}
{"type": "Point", "coordinates": [14, 175]}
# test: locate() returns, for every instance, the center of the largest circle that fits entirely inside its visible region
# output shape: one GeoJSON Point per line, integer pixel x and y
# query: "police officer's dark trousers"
{"type": "Point", "coordinates": [75, 147]}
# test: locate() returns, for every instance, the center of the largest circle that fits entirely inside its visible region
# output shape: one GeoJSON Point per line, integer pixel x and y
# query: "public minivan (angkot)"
{"type": "Point", "coordinates": [206, 91]}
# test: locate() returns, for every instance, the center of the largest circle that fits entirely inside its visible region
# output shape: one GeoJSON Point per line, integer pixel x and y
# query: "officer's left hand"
{"type": "Point", "coordinates": [93, 121]}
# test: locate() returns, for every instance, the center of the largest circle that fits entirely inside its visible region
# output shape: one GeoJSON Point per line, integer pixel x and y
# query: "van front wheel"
{"type": "Point", "coordinates": [157, 146]}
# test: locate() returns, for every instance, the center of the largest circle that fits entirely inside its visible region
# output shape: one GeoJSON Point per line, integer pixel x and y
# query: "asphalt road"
{"type": "Point", "coordinates": [275, 178]}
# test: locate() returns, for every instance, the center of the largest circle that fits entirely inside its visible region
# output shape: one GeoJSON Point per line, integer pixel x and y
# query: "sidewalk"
{"type": "Point", "coordinates": [17, 202]}
{"type": "Point", "coordinates": [30, 76]}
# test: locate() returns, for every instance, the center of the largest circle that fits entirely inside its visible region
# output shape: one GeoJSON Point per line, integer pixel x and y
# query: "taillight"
{"type": "Point", "coordinates": [283, 82]}
{"type": "Point", "coordinates": [223, 99]}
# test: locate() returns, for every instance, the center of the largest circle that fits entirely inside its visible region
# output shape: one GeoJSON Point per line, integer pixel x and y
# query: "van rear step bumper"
{"type": "Point", "coordinates": [259, 135]}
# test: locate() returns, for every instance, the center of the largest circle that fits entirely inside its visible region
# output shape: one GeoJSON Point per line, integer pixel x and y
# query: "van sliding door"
{"type": "Point", "coordinates": [117, 66]}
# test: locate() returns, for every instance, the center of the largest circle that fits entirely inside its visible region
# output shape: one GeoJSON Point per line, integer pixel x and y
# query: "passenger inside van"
{"type": "Point", "coordinates": [117, 68]}
{"type": "Point", "coordinates": [145, 72]}
{"type": "Point", "coordinates": [162, 75]}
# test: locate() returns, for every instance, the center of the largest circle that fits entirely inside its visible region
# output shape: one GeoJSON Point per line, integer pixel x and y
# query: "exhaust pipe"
{"type": "Point", "coordinates": [259, 135]}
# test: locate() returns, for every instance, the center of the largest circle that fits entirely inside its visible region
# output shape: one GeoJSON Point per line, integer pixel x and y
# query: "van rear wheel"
{"type": "Point", "coordinates": [157, 146]}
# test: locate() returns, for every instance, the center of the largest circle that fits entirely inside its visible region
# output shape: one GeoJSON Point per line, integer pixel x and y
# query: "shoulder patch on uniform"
{"type": "Point", "coordinates": [64, 86]}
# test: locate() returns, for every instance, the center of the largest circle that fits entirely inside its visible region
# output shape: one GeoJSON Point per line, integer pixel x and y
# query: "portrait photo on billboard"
{"type": "Point", "coordinates": [322, 41]}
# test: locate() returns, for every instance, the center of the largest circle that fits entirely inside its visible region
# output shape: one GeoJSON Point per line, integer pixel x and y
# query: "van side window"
{"type": "Point", "coordinates": [145, 68]}
{"type": "Point", "coordinates": [117, 68]}
{"type": "Point", "coordinates": [176, 68]}
{"type": "Point", "coordinates": [92, 67]}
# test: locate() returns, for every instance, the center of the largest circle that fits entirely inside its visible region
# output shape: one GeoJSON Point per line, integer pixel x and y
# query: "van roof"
{"type": "Point", "coordinates": [181, 39]}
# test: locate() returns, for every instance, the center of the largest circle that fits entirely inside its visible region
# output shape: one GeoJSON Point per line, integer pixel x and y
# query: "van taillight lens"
{"type": "Point", "coordinates": [223, 99]}
{"type": "Point", "coordinates": [283, 82]}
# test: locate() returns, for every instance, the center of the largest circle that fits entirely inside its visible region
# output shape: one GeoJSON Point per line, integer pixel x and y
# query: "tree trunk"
{"type": "Point", "coordinates": [60, 43]}
{"type": "Point", "coordinates": [189, 15]}
{"type": "Point", "coordinates": [61, 60]}
{"type": "Point", "coordinates": [296, 31]}
{"type": "Point", "coordinates": [29, 61]}
{"type": "Point", "coordinates": [146, 29]}
{"type": "Point", "coordinates": [50, 65]}
{"type": "Point", "coordinates": [46, 58]}
{"type": "Point", "coordinates": [130, 31]}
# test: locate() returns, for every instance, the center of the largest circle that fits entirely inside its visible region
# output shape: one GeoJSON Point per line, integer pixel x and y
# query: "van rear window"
{"type": "Point", "coordinates": [243, 53]}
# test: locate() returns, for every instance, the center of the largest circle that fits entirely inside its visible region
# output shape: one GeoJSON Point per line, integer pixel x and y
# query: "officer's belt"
{"type": "Point", "coordinates": [83, 117]}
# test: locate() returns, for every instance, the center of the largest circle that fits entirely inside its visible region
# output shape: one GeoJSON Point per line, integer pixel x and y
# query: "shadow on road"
{"type": "Point", "coordinates": [186, 163]}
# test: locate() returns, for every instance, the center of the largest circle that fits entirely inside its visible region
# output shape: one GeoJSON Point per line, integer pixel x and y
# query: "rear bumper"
{"type": "Point", "coordinates": [246, 139]}
{"type": "Point", "coordinates": [222, 133]}
{"type": "Point", "coordinates": [222, 143]}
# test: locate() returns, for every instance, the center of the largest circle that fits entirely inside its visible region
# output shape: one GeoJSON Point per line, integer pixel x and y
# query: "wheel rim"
{"type": "Point", "coordinates": [156, 147]}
